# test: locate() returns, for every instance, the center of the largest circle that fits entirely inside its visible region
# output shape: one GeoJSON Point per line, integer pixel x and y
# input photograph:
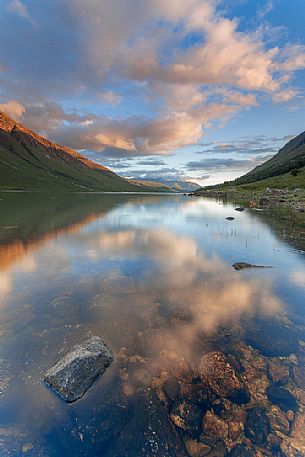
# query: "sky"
{"type": "Point", "coordinates": [200, 90]}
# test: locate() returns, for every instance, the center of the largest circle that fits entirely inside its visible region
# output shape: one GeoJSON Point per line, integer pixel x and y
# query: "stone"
{"type": "Point", "coordinates": [282, 398]}
{"type": "Point", "coordinates": [272, 339]}
{"type": "Point", "coordinates": [217, 373]}
{"type": "Point", "coordinates": [171, 388]}
{"type": "Point", "coordinates": [257, 425]}
{"type": "Point", "coordinates": [241, 450]}
{"type": "Point", "coordinates": [264, 201]}
{"type": "Point", "coordinates": [214, 426]}
{"type": "Point", "coordinates": [187, 417]}
{"type": "Point", "coordinates": [240, 208]}
{"type": "Point", "coordinates": [197, 449]}
{"type": "Point", "coordinates": [149, 432]}
{"type": "Point", "coordinates": [299, 375]}
{"type": "Point", "coordinates": [75, 372]}
{"type": "Point", "coordinates": [278, 372]}
{"type": "Point", "coordinates": [230, 218]}
{"type": "Point", "coordinates": [244, 265]}
{"type": "Point", "coordinates": [219, 450]}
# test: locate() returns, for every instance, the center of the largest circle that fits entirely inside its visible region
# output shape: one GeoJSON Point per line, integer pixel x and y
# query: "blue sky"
{"type": "Point", "coordinates": [184, 89]}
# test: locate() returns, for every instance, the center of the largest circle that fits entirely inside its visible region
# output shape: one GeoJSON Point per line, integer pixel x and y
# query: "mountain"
{"type": "Point", "coordinates": [30, 162]}
{"type": "Point", "coordinates": [289, 159]}
{"type": "Point", "coordinates": [166, 185]}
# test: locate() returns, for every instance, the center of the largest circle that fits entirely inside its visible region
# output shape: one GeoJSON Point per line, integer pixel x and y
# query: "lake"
{"type": "Point", "coordinates": [207, 360]}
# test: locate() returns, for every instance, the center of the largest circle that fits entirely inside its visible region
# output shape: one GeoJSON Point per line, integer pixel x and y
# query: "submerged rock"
{"type": "Point", "coordinates": [272, 339]}
{"type": "Point", "coordinates": [242, 451]}
{"type": "Point", "coordinates": [216, 372]}
{"type": "Point", "coordinates": [244, 265]}
{"type": "Point", "coordinates": [230, 218]}
{"type": "Point", "coordinates": [257, 425]}
{"type": "Point", "coordinates": [76, 371]}
{"type": "Point", "coordinates": [214, 426]}
{"type": "Point", "coordinates": [187, 417]}
{"type": "Point", "coordinates": [171, 388]}
{"type": "Point", "coordinates": [240, 208]}
{"type": "Point", "coordinates": [149, 432]}
{"type": "Point", "coordinates": [282, 398]}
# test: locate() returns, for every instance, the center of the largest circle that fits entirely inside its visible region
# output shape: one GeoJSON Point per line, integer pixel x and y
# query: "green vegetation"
{"type": "Point", "coordinates": [290, 159]}
{"type": "Point", "coordinates": [30, 162]}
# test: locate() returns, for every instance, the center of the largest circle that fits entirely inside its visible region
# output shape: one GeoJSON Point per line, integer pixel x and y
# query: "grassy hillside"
{"type": "Point", "coordinates": [30, 162]}
{"type": "Point", "coordinates": [167, 185]}
{"type": "Point", "coordinates": [289, 159]}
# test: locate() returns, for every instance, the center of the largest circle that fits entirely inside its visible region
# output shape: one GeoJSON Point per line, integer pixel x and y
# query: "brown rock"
{"type": "Point", "coordinates": [214, 426]}
{"type": "Point", "coordinates": [278, 420]}
{"type": "Point", "coordinates": [299, 376]}
{"type": "Point", "coordinates": [216, 372]}
{"type": "Point", "coordinates": [197, 449]}
{"type": "Point", "coordinates": [278, 372]}
{"type": "Point", "coordinates": [290, 415]}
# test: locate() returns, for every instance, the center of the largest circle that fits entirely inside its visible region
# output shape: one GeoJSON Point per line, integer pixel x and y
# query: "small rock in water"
{"type": "Point", "coordinates": [217, 373]}
{"type": "Point", "coordinates": [240, 208]}
{"type": "Point", "coordinates": [257, 425]}
{"type": "Point", "coordinates": [76, 371]}
{"type": "Point", "coordinates": [242, 451]}
{"type": "Point", "coordinates": [230, 218]}
{"type": "Point", "coordinates": [171, 388]}
{"type": "Point", "coordinates": [243, 265]}
{"type": "Point", "coordinates": [282, 398]}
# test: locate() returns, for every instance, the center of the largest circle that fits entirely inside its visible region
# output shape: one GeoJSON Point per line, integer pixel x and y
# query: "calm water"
{"type": "Point", "coordinates": [153, 276]}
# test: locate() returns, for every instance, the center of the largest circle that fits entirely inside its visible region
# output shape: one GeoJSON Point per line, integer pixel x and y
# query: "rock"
{"type": "Point", "coordinates": [171, 388]}
{"type": "Point", "coordinates": [187, 417]}
{"type": "Point", "coordinates": [214, 426]}
{"type": "Point", "coordinates": [272, 339]}
{"type": "Point", "coordinates": [217, 373]}
{"type": "Point", "coordinates": [257, 425]}
{"type": "Point", "coordinates": [299, 375]}
{"type": "Point", "coordinates": [274, 442]}
{"type": "Point", "coordinates": [278, 372]}
{"type": "Point", "coordinates": [282, 398]}
{"type": "Point", "coordinates": [90, 425]}
{"type": "Point", "coordinates": [148, 433]}
{"type": "Point", "coordinates": [241, 450]}
{"type": "Point", "coordinates": [278, 420]}
{"type": "Point", "coordinates": [230, 218]}
{"type": "Point", "coordinates": [76, 371]}
{"type": "Point", "coordinates": [290, 415]}
{"type": "Point", "coordinates": [244, 265]}
{"type": "Point", "coordinates": [264, 201]}
{"type": "Point", "coordinates": [240, 208]}
{"type": "Point", "coordinates": [219, 450]}
{"type": "Point", "coordinates": [197, 449]}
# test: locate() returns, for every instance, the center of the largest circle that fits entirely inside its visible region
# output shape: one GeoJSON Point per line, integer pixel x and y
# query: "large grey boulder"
{"type": "Point", "coordinates": [76, 371]}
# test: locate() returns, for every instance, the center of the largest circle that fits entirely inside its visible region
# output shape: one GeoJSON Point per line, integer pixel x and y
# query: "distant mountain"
{"type": "Point", "coordinates": [291, 158]}
{"type": "Point", "coordinates": [30, 162]}
{"type": "Point", "coordinates": [174, 186]}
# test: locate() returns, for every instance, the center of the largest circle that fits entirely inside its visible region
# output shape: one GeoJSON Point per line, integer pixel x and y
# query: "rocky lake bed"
{"type": "Point", "coordinates": [201, 359]}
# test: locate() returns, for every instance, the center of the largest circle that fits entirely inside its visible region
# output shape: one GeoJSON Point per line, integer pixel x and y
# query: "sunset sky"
{"type": "Point", "coordinates": [172, 89]}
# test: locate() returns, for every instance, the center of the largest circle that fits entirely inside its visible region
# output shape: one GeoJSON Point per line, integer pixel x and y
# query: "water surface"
{"type": "Point", "coordinates": [152, 275]}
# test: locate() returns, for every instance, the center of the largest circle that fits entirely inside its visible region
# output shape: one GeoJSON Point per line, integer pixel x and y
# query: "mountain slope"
{"type": "Point", "coordinates": [173, 186]}
{"type": "Point", "coordinates": [30, 162]}
{"type": "Point", "coordinates": [290, 157]}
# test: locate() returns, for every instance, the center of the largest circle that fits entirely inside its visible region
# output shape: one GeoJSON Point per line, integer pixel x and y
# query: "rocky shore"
{"type": "Point", "coordinates": [292, 199]}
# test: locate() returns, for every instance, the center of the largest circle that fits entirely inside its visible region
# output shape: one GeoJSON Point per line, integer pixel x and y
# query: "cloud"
{"type": "Point", "coordinates": [151, 162]}
{"type": "Point", "coordinates": [13, 108]}
{"type": "Point", "coordinates": [129, 82]}
{"type": "Point", "coordinates": [166, 173]}
{"type": "Point", "coordinates": [17, 7]}
{"type": "Point", "coordinates": [217, 164]}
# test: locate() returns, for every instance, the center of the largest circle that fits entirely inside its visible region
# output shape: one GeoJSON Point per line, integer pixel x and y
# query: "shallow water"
{"type": "Point", "coordinates": [152, 275]}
